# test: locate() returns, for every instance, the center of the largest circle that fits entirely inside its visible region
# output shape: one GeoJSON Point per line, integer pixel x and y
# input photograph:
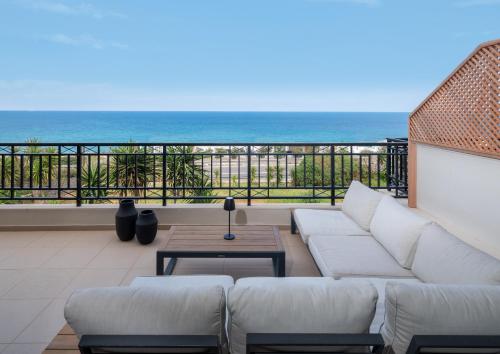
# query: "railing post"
{"type": "Point", "coordinates": [12, 171]}
{"type": "Point", "coordinates": [388, 167]}
{"type": "Point", "coordinates": [396, 171]}
{"type": "Point", "coordinates": [164, 176]}
{"type": "Point", "coordinates": [332, 174]}
{"type": "Point", "coordinates": [78, 175]}
{"type": "Point", "coordinates": [314, 171]}
{"type": "Point", "coordinates": [249, 175]}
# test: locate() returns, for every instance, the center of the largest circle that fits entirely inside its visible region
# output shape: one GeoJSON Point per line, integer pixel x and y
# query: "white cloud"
{"type": "Point", "coordinates": [76, 9]}
{"type": "Point", "coordinates": [476, 3]}
{"type": "Point", "coordinates": [369, 3]}
{"type": "Point", "coordinates": [85, 40]}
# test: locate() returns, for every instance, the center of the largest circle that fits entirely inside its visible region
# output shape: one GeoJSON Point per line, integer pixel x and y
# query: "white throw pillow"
{"type": "Point", "coordinates": [443, 258]}
{"type": "Point", "coordinates": [298, 305]}
{"type": "Point", "coordinates": [397, 228]}
{"type": "Point", "coordinates": [360, 203]}
{"type": "Point", "coordinates": [148, 311]}
{"type": "Point", "coordinates": [424, 309]}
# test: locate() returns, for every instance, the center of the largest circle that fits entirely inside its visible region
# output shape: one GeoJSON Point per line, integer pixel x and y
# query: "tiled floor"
{"type": "Point", "coordinates": [39, 270]}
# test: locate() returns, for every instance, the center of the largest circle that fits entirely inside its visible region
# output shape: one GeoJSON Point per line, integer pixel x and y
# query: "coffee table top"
{"type": "Point", "coordinates": [202, 238]}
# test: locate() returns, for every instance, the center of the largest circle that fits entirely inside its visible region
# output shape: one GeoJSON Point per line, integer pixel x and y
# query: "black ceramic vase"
{"type": "Point", "coordinates": [125, 219]}
{"type": "Point", "coordinates": [146, 227]}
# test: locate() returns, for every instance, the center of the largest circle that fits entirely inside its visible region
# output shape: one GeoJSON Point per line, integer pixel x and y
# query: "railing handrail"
{"type": "Point", "coordinates": [87, 172]}
{"type": "Point", "coordinates": [401, 143]}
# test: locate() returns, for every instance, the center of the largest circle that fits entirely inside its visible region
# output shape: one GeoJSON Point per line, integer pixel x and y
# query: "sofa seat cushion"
{"type": "Point", "coordinates": [443, 258]}
{"type": "Point", "coordinates": [425, 309]}
{"type": "Point", "coordinates": [348, 256]}
{"type": "Point", "coordinates": [397, 228]}
{"type": "Point", "coordinates": [325, 222]}
{"type": "Point", "coordinates": [169, 281]}
{"type": "Point", "coordinates": [360, 203]}
{"type": "Point", "coordinates": [148, 311]}
{"type": "Point", "coordinates": [298, 305]}
{"type": "Point", "coordinates": [379, 284]}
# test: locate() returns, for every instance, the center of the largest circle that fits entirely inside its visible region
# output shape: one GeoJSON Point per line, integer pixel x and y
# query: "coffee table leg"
{"type": "Point", "coordinates": [279, 264]}
{"type": "Point", "coordinates": [160, 265]}
{"type": "Point", "coordinates": [170, 266]}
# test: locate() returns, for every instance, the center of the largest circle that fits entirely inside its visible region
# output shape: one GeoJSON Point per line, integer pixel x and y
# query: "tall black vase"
{"type": "Point", "coordinates": [146, 227]}
{"type": "Point", "coordinates": [125, 219]}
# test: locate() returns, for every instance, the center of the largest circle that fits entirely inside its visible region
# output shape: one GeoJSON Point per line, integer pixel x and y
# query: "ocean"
{"type": "Point", "coordinates": [200, 127]}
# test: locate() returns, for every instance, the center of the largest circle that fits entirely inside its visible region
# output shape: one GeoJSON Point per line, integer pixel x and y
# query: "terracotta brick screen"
{"type": "Point", "coordinates": [463, 112]}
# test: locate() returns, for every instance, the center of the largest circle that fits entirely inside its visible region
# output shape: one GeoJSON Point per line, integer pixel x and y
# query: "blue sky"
{"type": "Point", "coordinates": [285, 55]}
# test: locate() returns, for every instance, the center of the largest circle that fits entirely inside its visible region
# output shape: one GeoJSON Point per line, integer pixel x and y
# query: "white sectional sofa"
{"type": "Point", "coordinates": [300, 307]}
{"type": "Point", "coordinates": [399, 245]}
{"type": "Point", "coordinates": [386, 271]}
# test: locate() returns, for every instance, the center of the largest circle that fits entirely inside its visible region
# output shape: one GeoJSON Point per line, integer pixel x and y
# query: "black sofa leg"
{"type": "Point", "coordinates": [293, 225]}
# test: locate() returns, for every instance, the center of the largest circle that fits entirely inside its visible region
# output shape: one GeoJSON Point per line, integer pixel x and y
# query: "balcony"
{"type": "Point", "coordinates": [58, 202]}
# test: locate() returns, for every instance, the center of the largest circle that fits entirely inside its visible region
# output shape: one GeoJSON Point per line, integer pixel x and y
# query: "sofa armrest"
{"type": "Point", "coordinates": [418, 343]}
{"type": "Point", "coordinates": [256, 341]}
{"type": "Point", "coordinates": [210, 343]}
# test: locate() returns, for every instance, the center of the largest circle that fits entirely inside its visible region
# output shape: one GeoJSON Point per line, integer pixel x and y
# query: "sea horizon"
{"type": "Point", "coordinates": [77, 126]}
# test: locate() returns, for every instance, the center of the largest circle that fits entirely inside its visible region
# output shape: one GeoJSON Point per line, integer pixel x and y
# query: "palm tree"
{"type": "Point", "coordinates": [9, 178]}
{"type": "Point", "coordinates": [185, 172]}
{"type": "Point", "coordinates": [132, 167]}
{"type": "Point", "coordinates": [92, 178]}
{"type": "Point", "coordinates": [39, 167]}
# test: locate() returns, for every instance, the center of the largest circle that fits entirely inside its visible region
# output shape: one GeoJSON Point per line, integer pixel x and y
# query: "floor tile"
{"type": "Point", "coordinates": [72, 258]}
{"type": "Point", "coordinates": [199, 262]}
{"type": "Point", "coordinates": [46, 325]}
{"type": "Point", "coordinates": [304, 271]}
{"type": "Point", "coordinates": [116, 258]}
{"type": "Point", "coordinates": [53, 239]}
{"type": "Point", "coordinates": [91, 278]}
{"type": "Point", "coordinates": [28, 258]}
{"type": "Point", "coordinates": [137, 272]}
{"type": "Point", "coordinates": [248, 262]}
{"type": "Point", "coordinates": [16, 315]}
{"type": "Point", "coordinates": [6, 252]}
{"type": "Point", "coordinates": [31, 348]}
{"type": "Point", "coordinates": [147, 259]}
{"type": "Point", "coordinates": [13, 239]}
{"type": "Point", "coordinates": [42, 284]}
{"type": "Point", "coordinates": [198, 271]}
{"type": "Point", "coordinates": [88, 239]}
{"type": "Point", "coordinates": [9, 278]}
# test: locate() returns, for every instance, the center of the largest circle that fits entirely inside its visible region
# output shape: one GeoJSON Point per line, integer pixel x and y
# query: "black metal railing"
{"type": "Point", "coordinates": [91, 173]}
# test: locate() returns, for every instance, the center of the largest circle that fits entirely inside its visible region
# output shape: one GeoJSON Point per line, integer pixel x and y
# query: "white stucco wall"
{"type": "Point", "coordinates": [462, 192]}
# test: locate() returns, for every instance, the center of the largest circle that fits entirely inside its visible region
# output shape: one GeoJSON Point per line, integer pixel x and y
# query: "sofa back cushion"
{"type": "Point", "coordinates": [426, 309]}
{"type": "Point", "coordinates": [298, 305]}
{"type": "Point", "coordinates": [148, 310]}
{"type": "Point", "coordinates": [443, 258]}
{"type": "Point", "coordinates": [397, 228]}
{"type": "Point", "coordinates": [360, 203]}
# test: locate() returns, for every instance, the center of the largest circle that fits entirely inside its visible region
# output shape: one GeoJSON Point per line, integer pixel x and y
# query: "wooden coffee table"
{"type": "Point", "coordinates": [200, 241]}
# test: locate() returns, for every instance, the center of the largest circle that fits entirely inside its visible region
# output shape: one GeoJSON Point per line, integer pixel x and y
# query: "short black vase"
{"type": "Point", "coordinates": [125, 219]}
{"type": "Point", "coordinates": [146, 227]}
